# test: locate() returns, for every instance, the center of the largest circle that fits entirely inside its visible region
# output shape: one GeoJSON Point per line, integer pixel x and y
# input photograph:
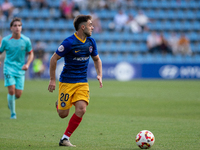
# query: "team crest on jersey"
{"type": "Point", "coordinates": [61, 48]}
{"type": "Point", "coordinates": [90, 49]}
{"type": "Point", "coordinates": [22, 48]}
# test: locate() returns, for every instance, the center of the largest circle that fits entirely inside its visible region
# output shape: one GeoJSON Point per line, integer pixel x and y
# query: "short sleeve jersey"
{"type": "Point", "coordinates": [76, 53]}
{"type": "Point", "coordinates": [16, 50]}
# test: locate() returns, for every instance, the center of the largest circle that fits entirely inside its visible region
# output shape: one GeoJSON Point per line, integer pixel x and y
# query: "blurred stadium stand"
{"type": "Point", "coordinates": [168, 15]}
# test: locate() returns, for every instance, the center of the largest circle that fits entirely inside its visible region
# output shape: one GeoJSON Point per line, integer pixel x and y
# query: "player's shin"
{"type": "Point", "coordinates": [73, 124]}
{"type": "Point", "coordinates": [11, 104]}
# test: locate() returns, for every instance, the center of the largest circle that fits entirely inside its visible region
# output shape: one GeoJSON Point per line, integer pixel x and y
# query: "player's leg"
{"type": "Point", "coordinates": [63, 105]}
{"type": "Point", "coordinates": [80, 109]}
{"type": "Point", "coordinates": [63, 113]}
{"type": "Point", "coordinates": [18, 93]}
{"type": "Point", "coordinates": [64, 141]}
{"type": "Point", "coordinates": [80, 100]}
{"type": "Point", "coordinates": [15, 86]}
{"type": "Point", "coordinates": [9, 81]}
{"type": "Point", "coordinates": [11, 101]}
{"type": "Point", "coordinates": [78, 95]}
{"type": "Point", "coordinates": [75, 120]}
{"type": "Point", "coordinates": [19, 86]}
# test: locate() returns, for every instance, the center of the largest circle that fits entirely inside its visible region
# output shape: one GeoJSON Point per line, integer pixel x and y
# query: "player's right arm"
{"type": "Point", "coordinates": [2, 49]}
{"type": "Point", "coordinates": [52, 70]}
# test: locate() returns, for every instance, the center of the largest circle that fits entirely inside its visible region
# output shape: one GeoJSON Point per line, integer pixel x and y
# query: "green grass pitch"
{"type": "Point", "coordinates": [116, 113]}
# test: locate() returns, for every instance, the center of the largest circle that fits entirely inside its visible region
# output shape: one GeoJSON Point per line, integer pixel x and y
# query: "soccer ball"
{"type": "Point", "coordinates": [145, 139]}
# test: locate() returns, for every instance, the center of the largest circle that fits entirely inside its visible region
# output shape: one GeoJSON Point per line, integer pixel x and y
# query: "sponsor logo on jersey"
{"type": "Point", "coordinates": [90, 49]}
{"type": "Point", "coordinates": [80, 58]}
{"type": "Point", "coordinates": [61, 48]}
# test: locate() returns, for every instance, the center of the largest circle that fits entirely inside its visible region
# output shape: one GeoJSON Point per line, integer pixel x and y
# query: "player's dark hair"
{"type": "Point", "coordinates": [80, 19]}
{"type": "Point", "coordinates": [15, 19]}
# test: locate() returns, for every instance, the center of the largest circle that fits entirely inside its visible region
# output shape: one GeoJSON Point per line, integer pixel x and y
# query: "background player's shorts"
{"type": "Point", "coordinates": [18, 81]}
{"type": "Point", "coordinates": [69, 93]}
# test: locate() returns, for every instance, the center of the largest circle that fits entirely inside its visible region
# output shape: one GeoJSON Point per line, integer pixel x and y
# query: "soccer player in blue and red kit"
{"type": "Point", "coordinates": [16, 46]}
{"type": "Point", "coordinates": [73, 84]}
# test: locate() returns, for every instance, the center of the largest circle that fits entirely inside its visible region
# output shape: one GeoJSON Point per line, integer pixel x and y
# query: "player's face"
{"type": "Point", "coordinates": [88, 28]}
{"type": "Point", "coordinates": [16, 28]}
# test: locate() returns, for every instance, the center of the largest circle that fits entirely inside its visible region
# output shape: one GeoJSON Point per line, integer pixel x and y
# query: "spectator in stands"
{"type": "Point", "coordinates": [96, 22]}
{"type": "Point", "coordinates": [164, 47]}
{"type": "Point", "coordinates": [38, 65]}
{"type": "Point", "coordinates": [36, 4]}
{"type": "Point", "coordinates": [120, 20]}
{"type": "Point", "coordinates": [115, 4]}
{"type": "Point", "coordinates": [173, 42]}
{"type": "Point", "coordinates": [2, 17]}
{"type": "Point", "coordinates": [184, 45]}
{"type": "Point", "coordinates": [133, 25]}
{"type": "Point", "coordinates": [42, 3]}
{"type": "Point", "coordinates": [93, 5]}
{"type": "Point", "coordinates": [7, 9]}
{"type": "Point", "coordinates": [40, 47]}
{"type": "Point", "coordinates": [81, 4]}
{"type": "Point", "coordinates": [29, 3]}
{"type": "Point", "coordinates": [130, 4]}
{"type": "Point", "coordinates": [76, 9]}
{"type": "Point", "coordinates": [142, 20]}
{"type": "Point", "coordinates": [153, 42]}
{"type": "Point", "coordinates": [66, 9]}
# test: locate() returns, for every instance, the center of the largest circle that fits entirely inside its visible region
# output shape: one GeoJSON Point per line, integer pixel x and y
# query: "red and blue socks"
{"type": "Point", "coordinates": [72, 125]}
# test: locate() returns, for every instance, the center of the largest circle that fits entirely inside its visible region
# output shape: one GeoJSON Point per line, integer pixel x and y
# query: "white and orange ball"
{"type": "Point", "coordinates": [145, 139]}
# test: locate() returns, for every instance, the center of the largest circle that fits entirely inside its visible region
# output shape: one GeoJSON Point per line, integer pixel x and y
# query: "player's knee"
{"type": "Point", "coordinates": [80, 108]}
{"type": "Point", "coordinates": [11, 92]}
{"type": "Point", "coordinates": [62, 114]}
{"type": "Point", "coordinates": [17, 96]}
{"type": "Point", "coordinates": [81, 111]}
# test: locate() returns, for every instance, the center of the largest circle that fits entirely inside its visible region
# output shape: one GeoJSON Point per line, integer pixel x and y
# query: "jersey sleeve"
{"type": "Point", "coordinates": [2, 47]}
{"type": "Point", "coordinates": [94, 52]}
{"type": "Point", "coordinates": [28, 45]}
{"type": "Point", "coordinates": [64, 48]}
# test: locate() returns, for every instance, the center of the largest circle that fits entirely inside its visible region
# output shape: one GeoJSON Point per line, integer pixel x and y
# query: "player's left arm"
{"type": "Point", "coordinates": [98, 67]}
{"type": "Point", "coordinates": [30, 59]}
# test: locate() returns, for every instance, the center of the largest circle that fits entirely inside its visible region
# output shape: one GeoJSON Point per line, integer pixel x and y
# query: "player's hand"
{"type": "Point", "coordinates": [52, 85]}
{"type": "Point", "coordinates": [25, 67]}
{"type": "Point", "coordinates": [100, 81]}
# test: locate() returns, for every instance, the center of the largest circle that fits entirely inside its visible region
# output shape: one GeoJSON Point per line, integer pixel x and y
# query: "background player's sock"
{"type": "Point", "coordinates": [11, 103]}
{"type": "Point", "coordinates": [73, 124]}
